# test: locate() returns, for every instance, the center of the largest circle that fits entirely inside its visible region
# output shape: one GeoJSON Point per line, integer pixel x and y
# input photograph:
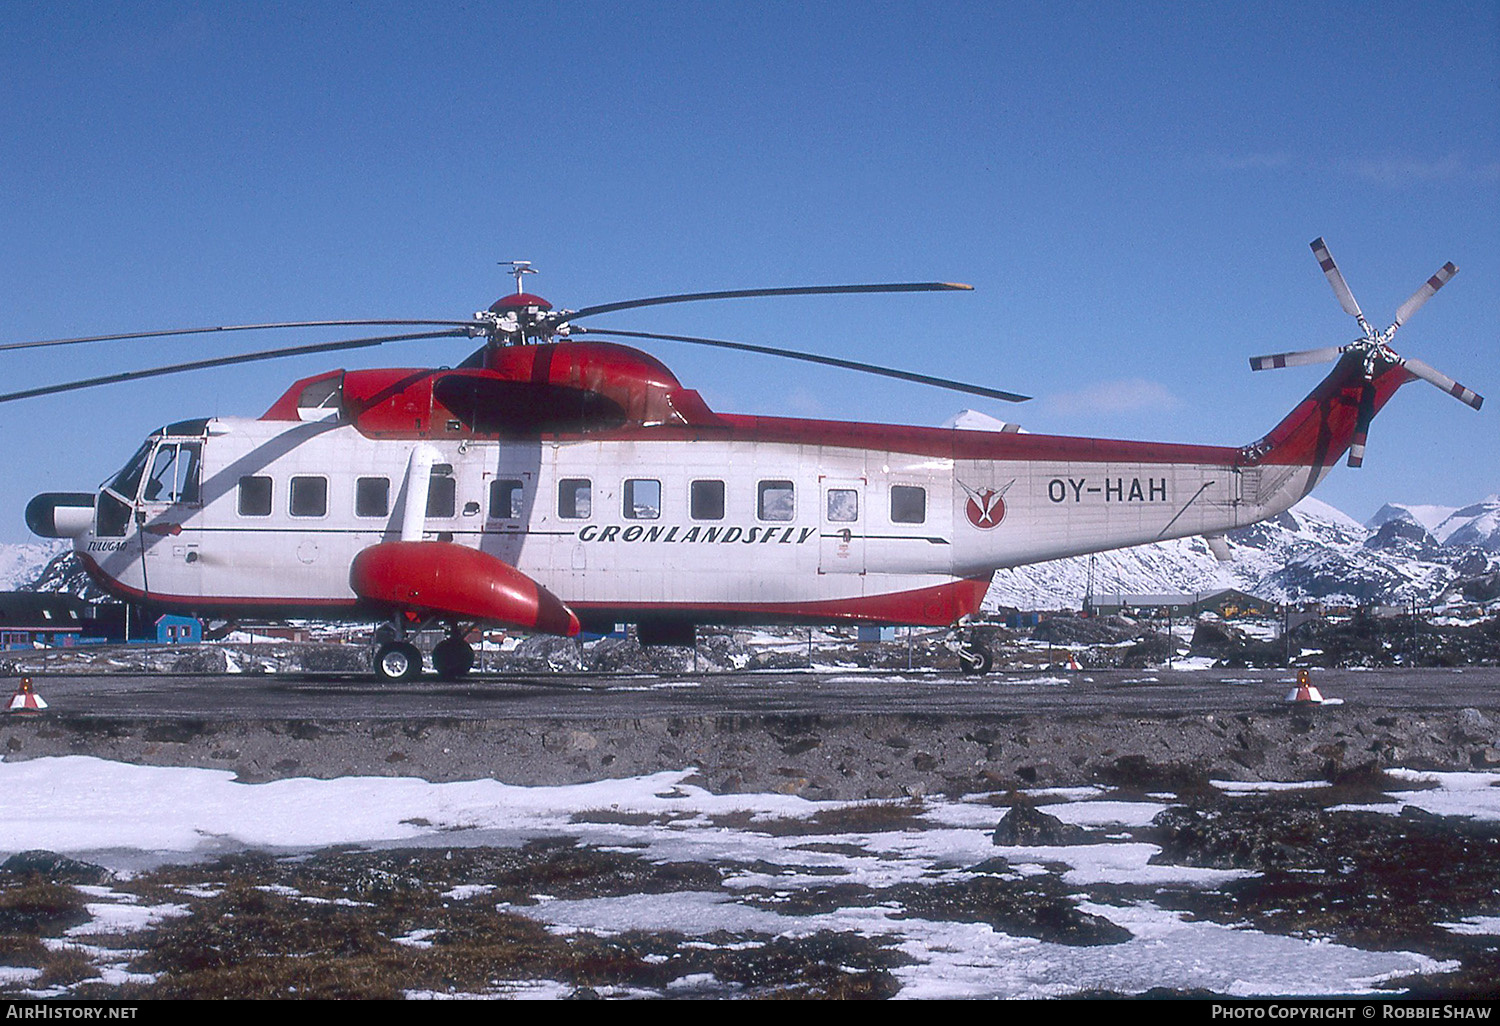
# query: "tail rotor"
{"type": "Point", "coordinates": [1373, 347]}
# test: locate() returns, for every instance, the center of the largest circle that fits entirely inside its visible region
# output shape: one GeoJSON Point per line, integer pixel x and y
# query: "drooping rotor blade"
{"type": "Point", "coordinates": [1362, 424]}
{"type": "Point", "coordinates": [225, 361]}
{"type": "Point", "coordinates": [831, 361]}
{"type": "Point", "coordinates": [808, 290]}
{"type": "Point", "coordinates": [1331, 270]}
{"type": "Point", "coordinates": [1427, 372]}
{"type": "Point", "coordinates": [1427, 291]}
{"type": "Point", "coordinates": [1297, 359]}
{"type": "Point", "coordinates": [224, 327]}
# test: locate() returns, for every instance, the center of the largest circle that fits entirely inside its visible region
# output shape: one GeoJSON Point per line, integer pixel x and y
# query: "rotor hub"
{"type": "Point", "coordinates": [518, 319]}
{"type": "Point", "coordinates": [520, 301]}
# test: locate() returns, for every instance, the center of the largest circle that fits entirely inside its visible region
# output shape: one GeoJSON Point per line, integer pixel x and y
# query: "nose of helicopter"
{"type": "Point", "coordinates": [60, 514]}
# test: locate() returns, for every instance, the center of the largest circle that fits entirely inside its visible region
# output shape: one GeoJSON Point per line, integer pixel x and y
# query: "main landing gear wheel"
{"type": "Point", "coordinates": [974, 658]}
{"type": "Point", "coordinates": [452, 658]}
{"type": "Point", "coordinates": [397, 662]}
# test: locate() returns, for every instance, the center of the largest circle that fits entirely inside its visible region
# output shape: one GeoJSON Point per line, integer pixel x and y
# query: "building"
{"type": "Point", "coordinates": [178, 630]}
{"type": "Point", "coordinates": [29, 618]}
{"type": "Point", "coordinates": [1225, 602]}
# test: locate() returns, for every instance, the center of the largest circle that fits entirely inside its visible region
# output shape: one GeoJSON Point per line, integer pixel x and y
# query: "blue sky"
{"type": "Point", "coordinates": [1130, 188]}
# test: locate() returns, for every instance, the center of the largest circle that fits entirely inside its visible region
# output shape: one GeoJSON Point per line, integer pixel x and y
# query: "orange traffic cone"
{"type": "Point", "coordinates": [1304, 691]}
{"type": "Point", "coordinates": [26, 702]}
{"type": "Point", "coordinates": [1073, 663]}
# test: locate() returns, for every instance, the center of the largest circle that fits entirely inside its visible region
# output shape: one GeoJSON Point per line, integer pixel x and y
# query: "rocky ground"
{"type": "Point", "coordinates": [1312, 865]}
{"type": "Point", "coordinates": [1315, 864]}
{"type": "Point", "coordinates": [867, 757]}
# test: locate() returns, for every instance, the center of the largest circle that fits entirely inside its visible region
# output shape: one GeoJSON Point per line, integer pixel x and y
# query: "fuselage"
{"type": "Point", "coordinates": [781, 520]}
{"type": "Point", "coordinates": [738, 519]}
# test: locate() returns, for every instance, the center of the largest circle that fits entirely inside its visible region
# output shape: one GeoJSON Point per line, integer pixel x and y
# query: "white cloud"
{"type": "Point", "coordinates": [1127, 395]}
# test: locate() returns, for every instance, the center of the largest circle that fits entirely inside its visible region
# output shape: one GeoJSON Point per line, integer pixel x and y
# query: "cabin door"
{"type": "Point", "coordinates": [841, 533]}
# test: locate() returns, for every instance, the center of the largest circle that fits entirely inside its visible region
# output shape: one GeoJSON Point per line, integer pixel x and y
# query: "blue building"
{"type": "Point", "coordinates": [178, 630]}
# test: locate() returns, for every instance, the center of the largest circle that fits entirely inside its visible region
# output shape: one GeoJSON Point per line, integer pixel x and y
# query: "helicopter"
{"type": "Point", "coordinates": [558, 481]}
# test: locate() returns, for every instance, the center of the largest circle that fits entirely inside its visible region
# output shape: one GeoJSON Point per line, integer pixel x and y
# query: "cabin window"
{"type": "Point", "coordinates": [642, 499]}
{"type": "Point", "coordinates": [255, 496]}
{"type": "Point", "coordinates": [442, 495]}
{"type": "Point", "coordinates": [908, 504]}
{"type": "Point", "coordinates": [372, 497]}
{"type": "Point", "coordinates": [575, 498]}
{"type": "Point", "coordinates": [843, 505]}
{"type": "Point", "coordinates": [505, 499]}
{"type": "Point", "coordinates": [707, 500]}
{"type": "Point", "coordinates": [776, 501]}
{"type": "Point", "coordinates": [174, 473]}
{"type": "Point", "coordinates": [309, 497]}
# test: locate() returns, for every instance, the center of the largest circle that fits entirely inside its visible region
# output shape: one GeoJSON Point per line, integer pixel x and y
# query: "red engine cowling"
{"type": "Point", "coordinates": [451, 580]}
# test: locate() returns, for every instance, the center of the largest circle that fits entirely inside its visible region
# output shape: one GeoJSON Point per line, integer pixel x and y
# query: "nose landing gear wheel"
{"type": "Point", "coordinates": [452, 658]}
{"type": "Point", "coordinates": [397, 662]}
{"type": "Point", "coordinates": [974, 658]}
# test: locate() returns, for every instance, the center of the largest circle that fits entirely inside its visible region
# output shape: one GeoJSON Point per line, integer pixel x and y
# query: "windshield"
{"type": "Point", "coordinates": [127, 481]}
{"type": "Point", "coordinates": [174, 473]}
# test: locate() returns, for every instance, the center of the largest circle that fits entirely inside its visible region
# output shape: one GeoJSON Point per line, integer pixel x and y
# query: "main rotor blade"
{"type": "Point", "coordinates": [1297, 359]}
{"type": "Point", "coordinates": [1427, 291]}
{"type": "Point", "coordinates": [809, 290]}
{"type": "Point", "coordinates": [223, 361]}
{"type": "Point", "coordinates": [831, 361]}
{"type": "Point", "coordinates": [224, 327]}
{"type": "Point", "coordinates": [1331, 270]}
{"type": "Point", "coordinates": [1429, 373]}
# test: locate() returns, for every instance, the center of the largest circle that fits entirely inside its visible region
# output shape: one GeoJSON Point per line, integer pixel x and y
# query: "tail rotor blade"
{"type": "Point", "coordinates": [1362, 425]}
{"type": "Point", "coordinates": [1331, 271]}
{"type": "Point", "coordinates": [1423, 294]}
{"type": "Point", "coordinates": [1297, 359]}
{"type": "Point", "coordinates": [1431, 374]}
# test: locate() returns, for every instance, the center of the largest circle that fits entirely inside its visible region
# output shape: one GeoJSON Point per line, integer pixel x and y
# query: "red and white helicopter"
{"type": "Point", "coordinates": [549, 484]}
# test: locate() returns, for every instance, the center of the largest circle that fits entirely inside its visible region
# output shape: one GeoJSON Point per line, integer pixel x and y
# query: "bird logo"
{"type": "Point", "coordinates": [986, 506]}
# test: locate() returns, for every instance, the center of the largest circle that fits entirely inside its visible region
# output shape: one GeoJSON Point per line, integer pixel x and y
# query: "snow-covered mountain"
{"type": "Point", "coordinates": [1424, 554]}
{"type": "Point", "coordinates": [1476, 525]}
{"type": "Point", "coordinates": [23, 563]}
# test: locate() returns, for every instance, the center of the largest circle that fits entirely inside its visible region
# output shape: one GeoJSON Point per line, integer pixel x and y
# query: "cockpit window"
{"type": "Point", "coordinates": [174, 473]}
{"type": "Point", "coordinates": [127, 481]}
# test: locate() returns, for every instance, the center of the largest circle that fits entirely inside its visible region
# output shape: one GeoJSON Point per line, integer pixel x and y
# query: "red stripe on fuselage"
{"type": "Point", "coordinates": [936, 606]}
